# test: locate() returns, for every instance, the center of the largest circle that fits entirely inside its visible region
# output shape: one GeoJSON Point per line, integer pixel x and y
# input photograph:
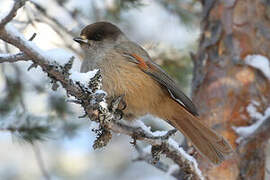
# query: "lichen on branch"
{"type": "Point", "coordinates": [90, 96]}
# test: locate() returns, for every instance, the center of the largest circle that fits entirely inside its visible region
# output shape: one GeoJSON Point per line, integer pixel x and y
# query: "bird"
{"type": "Point", "coordinates": [127, 70]}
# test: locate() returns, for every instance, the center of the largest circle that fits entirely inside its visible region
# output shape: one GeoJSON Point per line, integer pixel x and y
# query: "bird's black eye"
{"type": "Point", "coordinates": [97, 37]}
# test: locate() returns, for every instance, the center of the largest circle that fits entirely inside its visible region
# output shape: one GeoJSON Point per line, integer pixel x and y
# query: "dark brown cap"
{"type": "Point", "coordinates": [100, 30]}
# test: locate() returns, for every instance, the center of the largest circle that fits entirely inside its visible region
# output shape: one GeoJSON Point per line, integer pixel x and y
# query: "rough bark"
{"type": "Point", "coordinates": [223, 85]}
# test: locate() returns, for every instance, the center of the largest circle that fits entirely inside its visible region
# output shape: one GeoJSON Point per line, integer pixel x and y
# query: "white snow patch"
{"type": "Point", "coordinates": [140, 124]}
{"type": "Point", "coordinates": [246, 131]}
{"type": "Point", "coordinates": [99, 91]}
{"type": "Point", "coordinates": [184, 154]}
{"type": "Point", "coordinates": [172, 168]}
{"type": "Point", "coordinates": [252, 110]}
{"type": "Point", "coordinates": [259, 62]}
{"type": "Point", "coordinates": [83, 78]}
{"type": "Point", "coordinates": [60, 56]}
{"type": "Point", "coordinates": [159, 133]}
{"type": "Point", "coordinates": [16, 34]}
{"type": "Point", "coordinates": [4, 55]}
{"type": "Point", "coordinates": [147, 149]}
{"type": "Point", "coordinates": [147, 129]}
{"type": "Point", "coordinates": [172, 143]}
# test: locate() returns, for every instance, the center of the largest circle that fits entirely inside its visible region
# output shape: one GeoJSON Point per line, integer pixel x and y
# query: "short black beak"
{"type": "Point", "coordinates": [80, 40]}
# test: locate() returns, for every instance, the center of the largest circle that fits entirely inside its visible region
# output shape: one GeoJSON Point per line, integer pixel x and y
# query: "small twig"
{"type": "Point", "coordinates": [12, 13]}
{"type": "Point", "coordinates": [13, 57]}
{"type": "Point", "coordinates": [169, 134]}
{"type": "Point", "coordinates": [33, 65]}
{"type": "Point", "coordinates": [40, 162]}
{"type": "Point", "coordinates": [148, 158]}
{"type": "Point", "coordinates": [75, 101]}
{"type": "Point", "coordinates": [32, 37]}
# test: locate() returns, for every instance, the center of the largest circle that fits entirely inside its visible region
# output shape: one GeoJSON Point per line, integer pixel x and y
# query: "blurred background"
{"type": "Point", "coordinates": [41, 136]}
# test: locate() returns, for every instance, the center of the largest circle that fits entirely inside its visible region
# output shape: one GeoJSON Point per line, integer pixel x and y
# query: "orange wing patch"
{"type": "Point", "coordinates": [141, 61]}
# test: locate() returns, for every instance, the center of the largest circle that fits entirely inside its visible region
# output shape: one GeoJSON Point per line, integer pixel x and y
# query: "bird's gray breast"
{"type": "Point", "coordinates": [92, 61]}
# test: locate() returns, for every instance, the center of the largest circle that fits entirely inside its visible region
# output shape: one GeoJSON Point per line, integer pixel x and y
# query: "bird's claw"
{"type": "Point", "coordinates": [119, 114]}
{"type": "Point", "coordinates": [114, 107]}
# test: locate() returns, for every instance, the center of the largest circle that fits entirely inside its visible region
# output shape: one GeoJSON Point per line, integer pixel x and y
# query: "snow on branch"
{"type": "Point", "coordinates": [13, 57]}
{"type": "Point", "coordinates": [172, 144]}
{"type": "Point", "coordinates": [92, 99]}
{"type": "Point", "coordinates": [261, 119]}
{"type": "Point", "coordinates": [83, 78]}
{"type": "Point", "coordinates": [259, 62]}
{"type": "Point", "coordinates": [146, 156]}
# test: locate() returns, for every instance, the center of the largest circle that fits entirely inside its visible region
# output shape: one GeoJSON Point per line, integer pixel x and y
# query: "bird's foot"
{"type": "Point", "coordinates": [117, 106]}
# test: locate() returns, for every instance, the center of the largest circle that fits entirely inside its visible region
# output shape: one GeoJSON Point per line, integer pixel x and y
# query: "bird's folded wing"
{"type": "Point", "coordinates": [145, 63]}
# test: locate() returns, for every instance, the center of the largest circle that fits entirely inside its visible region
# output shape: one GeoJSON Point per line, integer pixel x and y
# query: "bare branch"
{"type": "Point", "coordinates": [12, 13]}
{"type": "Point", "coordinates": [40, 162]}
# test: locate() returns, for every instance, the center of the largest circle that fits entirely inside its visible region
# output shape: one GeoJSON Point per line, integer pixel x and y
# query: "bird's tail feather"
{"type": "Point", "coordinates": [208, 142]}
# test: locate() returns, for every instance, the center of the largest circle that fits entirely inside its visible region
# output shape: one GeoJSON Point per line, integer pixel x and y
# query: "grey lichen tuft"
{"type": "Point", "coordinates": [103, 138]}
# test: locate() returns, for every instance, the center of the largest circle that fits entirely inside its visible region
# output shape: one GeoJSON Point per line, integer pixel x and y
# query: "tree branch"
{"type": "Point", "coordinates": [94, 102]}
{"type": "Point", "coordinates": [12, 13]}
{"type": "Point", "coordinates": [148, 158]}
{"type": "Point", "coordinates": [13, 57]}
{"type": "Point", "coordinates": [40, 162]}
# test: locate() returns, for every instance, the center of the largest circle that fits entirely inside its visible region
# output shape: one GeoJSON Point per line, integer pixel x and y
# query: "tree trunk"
{"type": "Point", "coordinates": [224, 85]}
